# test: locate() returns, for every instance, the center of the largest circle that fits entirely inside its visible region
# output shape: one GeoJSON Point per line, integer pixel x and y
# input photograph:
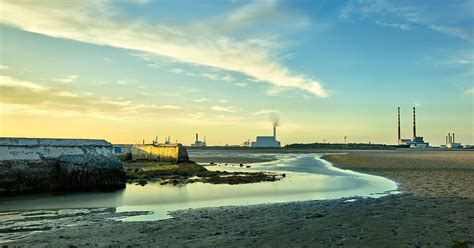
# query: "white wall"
{"type": "Point", "coordinates": [37, 149]}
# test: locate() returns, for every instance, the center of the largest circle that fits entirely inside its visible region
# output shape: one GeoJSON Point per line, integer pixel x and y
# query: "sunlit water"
{"type": "Point", "coordinates": [307, 178]}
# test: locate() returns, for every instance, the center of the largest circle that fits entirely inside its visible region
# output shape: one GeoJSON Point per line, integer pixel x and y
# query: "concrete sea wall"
{"type": "Point", "coordinates": [150, 152]}
{"type": "Point", "coordinates": [29, 164]}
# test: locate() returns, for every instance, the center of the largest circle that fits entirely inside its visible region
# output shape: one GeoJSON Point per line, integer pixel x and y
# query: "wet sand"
{"type": "Point", "coordinates": [435, 209]}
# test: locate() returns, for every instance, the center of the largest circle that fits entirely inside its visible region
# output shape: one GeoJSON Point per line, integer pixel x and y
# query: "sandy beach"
{"type": "Point", "coordinates": [435, 208]}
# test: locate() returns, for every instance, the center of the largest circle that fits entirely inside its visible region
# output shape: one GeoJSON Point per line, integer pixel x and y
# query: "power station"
{"type": "Point", "coordinates": [199, 143]}
{"type": "Point", "coordinates": [415, 141]}
{"type": "Point", "coordinates": [451, 142]}
{"type": "Point", "coordinates": [267, 141]}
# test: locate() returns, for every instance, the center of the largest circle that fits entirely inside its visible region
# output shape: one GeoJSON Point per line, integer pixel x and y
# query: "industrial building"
{"type": "Point", "coordinates": [451, 142]}
{"type": "Point", "coordinates": [415, 141]}
{"type": "Point", "coordinates": [199, 143]}
{"type": "Point", "coordinates": [267, 141]}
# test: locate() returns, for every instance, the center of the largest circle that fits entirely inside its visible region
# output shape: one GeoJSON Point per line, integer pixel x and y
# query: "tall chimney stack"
{"type": "Point", "coordinates": [399, 132]}
{"type": "Point", "coordinates": [274, 131]}
{"type": "Point", "coordinates": [453, 139]}
{"type": "Point", "coordinates": [446, 139]}
{"type": "Point", "coordinates": [414, 125]}
{"type": "Point", "coordinates": [449, 138]}
{"type": "Point", "coordinates": [197, 137]}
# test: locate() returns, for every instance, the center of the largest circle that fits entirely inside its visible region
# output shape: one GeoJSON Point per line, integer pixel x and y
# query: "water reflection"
{"type": "Point", "coordinates": [307, 178]}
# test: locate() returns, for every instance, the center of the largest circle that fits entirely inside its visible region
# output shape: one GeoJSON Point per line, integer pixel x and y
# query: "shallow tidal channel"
{"type": "Point", "coordinates": [308, 177]}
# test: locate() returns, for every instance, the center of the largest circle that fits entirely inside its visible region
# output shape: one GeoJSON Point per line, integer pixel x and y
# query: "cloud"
{"type": "Point", "coordinates": [154, 65]}
{"type": "Point", "coordinates": [254, 13]}
{"type": "Point", "coordinates": [223, 100]}
{"type": "Point", "coordinates": [177, 71]}
{"type": "Point", "coordinates": [6, 81]}
{"type": "Point", "coordinates": [410, 15]}
{"type": "Point", "coordinates": [67, 79]}
{"type": "Point", "coordinates": [168, 107]}
{"type": "Point", "coordinates": [126, 82]}
{"type": "Point", "coordinates": [67, 94]}
{"type": "Point", "coordinates": [241, 84]}
{"type": "Point", "coordinates": [454, 31]}
{"type": "Point", "coordinates": [228, 78]}
{"type": "Point", "coordinates": [266, 111]}
{"type": "Point", "coordinates": [229, 109]}
{"type": "Point", "coordinates": [463, 61]}
{"type": "Point", "coordinates": [404, 27]}
{"type": "Point", "coordinates": [210, 76]}
{"type": "Point", "coordinates": [96, 22]}
{"type": "Point", "coordinates": [21, 97]}
{"type": "Point", "coordinates": [4, 67]}
{"type": "Point", "coordinates": [469, 92]}
{"type": "Point", "coordinates": [201, 100]}
{"type": "Point", "coordinates": [139, 2]}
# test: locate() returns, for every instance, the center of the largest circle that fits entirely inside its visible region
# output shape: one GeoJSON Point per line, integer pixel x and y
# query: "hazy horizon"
{"type": "Point", "coordinates": [130, 70]}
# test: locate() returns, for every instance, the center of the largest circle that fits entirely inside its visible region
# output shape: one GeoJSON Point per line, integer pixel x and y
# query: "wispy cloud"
{"type": "Point", "coordinates": [209, 76]}
{"type": "Point", "coordinates": [228, 78]}
{"type": "Point", "coordinates": [469, 92]}
{"type": "Point", "coordinates": [6, 81]}
{"type": "Point", "coordinates": [266, 112]}
{"type": "Point", "coordinates": [3, 67]}
{"type": "Point", "coordinates": [154, 65]}
{"type": "Point", "coordinates": [30, 98]}
{"type": "Point", "coordinates": [410, 15]}
{"type": "Point", "coordinates": [201, 100]}
{"type": "Point", "coordinates": [126, 82]}
{"type": "Point", "coordinates": [177, 71]}
{"type": "Point", "coordinates": [454, 31]}
{"type": "Point", "coordinates": [67, 79]}
{"type": "Point", "coordinates": [67, 94]}
{"type": "Point", "coordinates": [229, 109]}
{"type": "Point", "coordinates": [96, 22]}
{"type": "Point", "coordinates": [248, 15]}
{"type": "Point", "coordinates": [394, 25]}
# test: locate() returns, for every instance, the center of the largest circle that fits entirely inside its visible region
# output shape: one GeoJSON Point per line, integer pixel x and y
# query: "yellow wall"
{"type": "Point", "coordinates": [159, 153]}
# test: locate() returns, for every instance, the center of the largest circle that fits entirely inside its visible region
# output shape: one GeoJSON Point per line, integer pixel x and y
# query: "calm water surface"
{"type": "Point", "coordinates": [307, 178]}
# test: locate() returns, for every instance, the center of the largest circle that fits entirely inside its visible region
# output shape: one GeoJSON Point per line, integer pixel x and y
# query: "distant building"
{"type": "Point", "coordinates": [267, 141]}
{"type": "Point", "coordinates": [415, 141]}
{"type": "Point", "coordinates": [451, 143]}
{"type": "Point", "coordinates": [199, 143]}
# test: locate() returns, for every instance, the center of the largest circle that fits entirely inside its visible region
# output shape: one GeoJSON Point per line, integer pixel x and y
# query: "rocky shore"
{"type": "Point", "coordinates": [183, 173]}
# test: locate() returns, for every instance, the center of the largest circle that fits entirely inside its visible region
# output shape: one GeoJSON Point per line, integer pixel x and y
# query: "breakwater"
{"type": "Point", "coordinates": [30, 164]}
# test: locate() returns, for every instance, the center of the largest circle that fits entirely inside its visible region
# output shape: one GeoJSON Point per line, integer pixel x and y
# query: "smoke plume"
{"type": "Point", "coordinates": [275, 118]}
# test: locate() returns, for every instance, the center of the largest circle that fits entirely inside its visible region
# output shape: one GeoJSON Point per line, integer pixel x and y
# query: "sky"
{"type": "Point", "coordinates": [128, 70]}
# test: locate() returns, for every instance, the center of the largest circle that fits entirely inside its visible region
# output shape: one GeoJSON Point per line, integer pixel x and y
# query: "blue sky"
{"type": "Point", "coordinates": [135, 69]}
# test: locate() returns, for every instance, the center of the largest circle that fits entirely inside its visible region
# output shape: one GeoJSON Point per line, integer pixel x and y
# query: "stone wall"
{"type": "Point", "coordinates": [28, 164]}
{"type": "Point", "coordinates": [162, 152]}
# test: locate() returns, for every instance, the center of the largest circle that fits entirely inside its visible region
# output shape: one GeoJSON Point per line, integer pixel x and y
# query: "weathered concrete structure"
{"type": "Point", "coordinates": [28, 164]}
{"type": "Point", "coordinates": [153, 152]}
